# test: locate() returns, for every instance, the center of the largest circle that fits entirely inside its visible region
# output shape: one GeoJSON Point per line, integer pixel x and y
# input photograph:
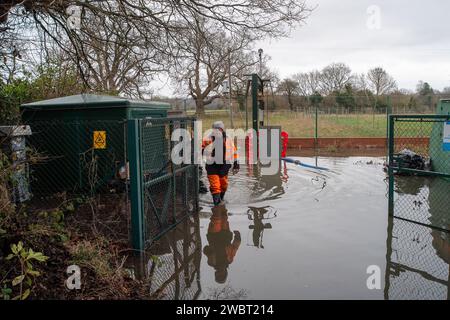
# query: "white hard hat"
{"type": "Point", "coordinates": [218, 125]}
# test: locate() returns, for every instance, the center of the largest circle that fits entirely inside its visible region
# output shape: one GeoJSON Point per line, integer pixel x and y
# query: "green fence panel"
{"type": "Point", "coordinates": [420, 195]}
{"type": "Point", "coordinates": [170, 192]}
{"type": "Point", "coordinates": [96, 159]}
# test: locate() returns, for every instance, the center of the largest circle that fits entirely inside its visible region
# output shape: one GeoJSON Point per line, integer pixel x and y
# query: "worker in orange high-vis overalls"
{"type": "Point", "coordinates": [218, 167]}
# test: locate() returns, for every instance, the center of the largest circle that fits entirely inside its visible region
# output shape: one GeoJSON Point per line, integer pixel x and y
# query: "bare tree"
{"type": "Point", "coordinates": [207, 55]}
{"type": "Point", "coordinates": [55, 76]}
{"type": "Point", "coordinates": [309, 82]}
{"type": "Point", "coordinates": [12, 53]}
{"type": "Point", "coordinates": [289, 88]}
{"type": "Point", "coordinates": [117, 59]}
{"type": "Point", "coordinates": [380, 81]}
{"type": "Point", "coordinates": [334, 77]}
{"type": "Point", "coordinates": [10, 64]}
{"type": "Point", "coordinates": [361, 83]}
{"type": "Point", "coordinates": [155, 23]}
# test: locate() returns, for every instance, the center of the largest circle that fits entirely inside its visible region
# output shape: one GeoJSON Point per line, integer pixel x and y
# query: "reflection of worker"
{"type": "Point", "coordinates": [221, 248]}
{"type": "Point", "coordinates": [217, 169]}
{"type": "Point", "coordinates": [257, 215]}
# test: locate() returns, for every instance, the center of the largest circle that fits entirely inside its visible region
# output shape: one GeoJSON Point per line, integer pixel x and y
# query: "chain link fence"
{"type": "Point", "coordinates": [72, 159]}
{"type": "Point", "coordinates": [69, 175]}
{"type": "Point", "coordinates": [112, 161]}
{"type": "Point", "coordinates": [419, 170]}
{"type": "Point", "coordinates": [170, 190]}
{"type": "Point", "coordinates": [417, 265]}
{"type": "Point", "coordinates": [174, 267]}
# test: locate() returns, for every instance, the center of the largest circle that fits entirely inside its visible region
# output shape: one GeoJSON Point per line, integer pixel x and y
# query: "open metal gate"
{"type": "Point", "coordinates": [162, 193]}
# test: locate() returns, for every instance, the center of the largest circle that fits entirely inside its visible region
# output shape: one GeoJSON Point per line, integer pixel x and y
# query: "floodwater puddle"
{"type": "Point", "coordinates": [301, 234]}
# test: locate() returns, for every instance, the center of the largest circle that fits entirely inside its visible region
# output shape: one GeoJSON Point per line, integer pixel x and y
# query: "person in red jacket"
{"type": "Point", "coordinates": [218, 170]}
{"type": "Point", "coordinates": [284, 143]}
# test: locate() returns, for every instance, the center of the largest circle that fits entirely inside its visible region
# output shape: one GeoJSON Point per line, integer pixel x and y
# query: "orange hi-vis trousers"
{"type": "Point", "coordinates": [217, 183]}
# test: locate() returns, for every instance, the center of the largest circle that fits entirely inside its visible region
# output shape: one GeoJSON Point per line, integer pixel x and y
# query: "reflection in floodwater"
{"type": "Point", "coordinates": [418, 256]}
{"type": "Point", "coordinates": [172, 264]}
{"type": "Point", "coordinates": [250, 186]}
{"type": "Point", "coordinates": [226, 293]}
{"type": "Point", "coordinates": [439, 200]}
{"type": "Point", "coordinates": [260, 188]}
{"type": "Point", "coordinates": [423, 199]}
{"type": "Point", "coordinates": [268, 187]}
{"type": "Point", "coordinates": [328, 244]}
{"type": "Point", "coordinates": [258, 216]}
{"type": "Point", "coordinates": [417, 262]}
{"type": "Point", "coordinates": [222, 243]}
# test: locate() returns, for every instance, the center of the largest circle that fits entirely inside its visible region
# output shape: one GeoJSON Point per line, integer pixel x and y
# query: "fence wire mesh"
{"type": "Point", "coordinates": [419, 170]}
{"type": "Point", "coordinates": [170, 190]}
{"type": "Point", "coordinates": [174, 268]}
{"type": "Point", "coordinates": [93, 159]}
{"type": "Point", "coordinates": [71, 171]}
{"type": "Point", "coordinates": [69, 159]}
{"type": "Point", "coordinates": [417, 262]}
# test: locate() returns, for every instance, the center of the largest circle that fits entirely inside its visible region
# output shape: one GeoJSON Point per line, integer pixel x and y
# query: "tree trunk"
{"type": "Point", "coordinates": [200, 107]}
{"type": "Point", "coordinates": [291, 105]}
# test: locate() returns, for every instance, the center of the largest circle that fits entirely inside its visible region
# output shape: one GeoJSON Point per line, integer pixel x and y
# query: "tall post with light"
{"type": "Point", "coordinates": [229, 89]}
{"type": "Point", "coordinates": [260, 53]}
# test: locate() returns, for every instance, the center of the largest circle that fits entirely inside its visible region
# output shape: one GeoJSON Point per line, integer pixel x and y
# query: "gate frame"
{"type": "Point", "coordinates": [137, 184]}
{"type": "Point", "coordinates": [391, 156]}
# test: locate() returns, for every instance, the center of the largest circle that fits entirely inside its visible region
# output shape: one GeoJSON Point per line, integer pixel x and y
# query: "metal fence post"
{"type": "Point", "coordinates": [316, 127]}
{"type": "Point", "coordinates": [136, 183]}
{"type": "Point", "coordinates": [255, 106]}
{"type": "Point", "coordinates": [174, 176]}
{"type": "Point", "coordinates": [174, 192]}
{"type": "Point", "coordinates": [391, 164]}
{"type": "Point", "coordinates": [388, 113]}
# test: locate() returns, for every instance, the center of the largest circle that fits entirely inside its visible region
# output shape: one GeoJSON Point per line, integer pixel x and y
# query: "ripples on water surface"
{"type": "Point", "coordinates": [301, 235]}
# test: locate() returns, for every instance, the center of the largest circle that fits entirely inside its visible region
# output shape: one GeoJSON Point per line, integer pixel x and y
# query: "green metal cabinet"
{"type": "Point", "coordinates": [92, 107]}
{"type": "Point", "coordinates": [65, 130]}
{"type": "Point", "coordinates": [440, 158]}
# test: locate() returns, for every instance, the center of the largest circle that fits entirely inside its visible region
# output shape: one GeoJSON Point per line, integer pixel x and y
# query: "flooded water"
{"type": "Point", "coordinates": [301, 235]}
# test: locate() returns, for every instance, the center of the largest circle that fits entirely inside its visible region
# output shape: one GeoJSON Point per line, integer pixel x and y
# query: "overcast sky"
{"type": "Point", "coordinates": [411, 40]}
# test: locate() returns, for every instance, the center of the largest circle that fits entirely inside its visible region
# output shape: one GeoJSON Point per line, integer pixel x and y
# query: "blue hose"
{"type": "Point", "coordinates": [299, 163]}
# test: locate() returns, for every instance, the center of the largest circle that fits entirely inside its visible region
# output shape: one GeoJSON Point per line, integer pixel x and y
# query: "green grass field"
{"type": "Point", "coordinates": [299, 125]}
{"type": "Point", "coordinates": [302, 126]}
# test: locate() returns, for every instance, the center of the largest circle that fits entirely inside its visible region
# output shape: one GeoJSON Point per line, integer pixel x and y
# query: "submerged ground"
{"type": "Point", "coordinates": [301, 235]}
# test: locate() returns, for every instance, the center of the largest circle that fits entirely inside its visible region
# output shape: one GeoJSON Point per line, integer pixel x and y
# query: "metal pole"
{"type": "Point", "coordinates": [136, 182]}
{"type": "Point", "coordinates": [388, 112]}
{"type": "Point", "coordinates": [390, 165]}
{"type": "Point", "coordinates": [229, 89]}
{"type": "Point", "coordinates": [255, 118]}
{"type": "Point", "coordinates": [260, 52]}
{"type": "Point", "coordinates": [246, 110]}
{"type": "Point", "coordinates": [316, 129]}
{"type": "Point", "coordinates": [266, 110]}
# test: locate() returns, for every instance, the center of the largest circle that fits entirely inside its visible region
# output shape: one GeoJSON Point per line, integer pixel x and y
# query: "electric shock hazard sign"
{"type": "Point", "coordinates": [99, 139]}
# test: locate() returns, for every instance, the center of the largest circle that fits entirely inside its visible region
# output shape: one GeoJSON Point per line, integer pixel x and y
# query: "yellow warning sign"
{"type": "Point", "coordinates": [99, 139]}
